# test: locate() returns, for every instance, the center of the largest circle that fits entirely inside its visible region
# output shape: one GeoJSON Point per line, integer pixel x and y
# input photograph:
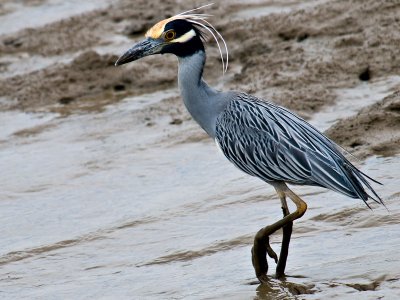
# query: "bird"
{"type": "Point", "coordinates": [260, 138]}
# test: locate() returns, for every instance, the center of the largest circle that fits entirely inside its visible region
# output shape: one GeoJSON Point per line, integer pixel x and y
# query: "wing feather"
{"type": "Point", "coordinates": [270, 142]}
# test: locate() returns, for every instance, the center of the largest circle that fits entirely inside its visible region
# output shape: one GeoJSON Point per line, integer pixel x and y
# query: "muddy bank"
{"type": "Point", "coordinates": [88, 83]}
{"type": "Point", "coordinates": [86, 30]}
{"type": "Point", "coordinates": [77, 76]}
{"type": "Point", "coordinates": [297, 59]}
{"type": "Point", "coordinates": [375, 130]}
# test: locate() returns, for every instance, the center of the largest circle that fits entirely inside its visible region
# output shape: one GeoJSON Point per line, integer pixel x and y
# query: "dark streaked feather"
{"type": "Point", "coordinates": [270, 142]}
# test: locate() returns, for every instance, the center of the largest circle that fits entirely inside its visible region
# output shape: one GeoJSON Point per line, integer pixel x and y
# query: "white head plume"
{"type": "Point", "coordinates": [201, 21]}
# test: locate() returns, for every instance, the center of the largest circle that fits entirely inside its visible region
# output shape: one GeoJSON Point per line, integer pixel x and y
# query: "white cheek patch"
{"type": "Point", "coordinates": [186, 37]}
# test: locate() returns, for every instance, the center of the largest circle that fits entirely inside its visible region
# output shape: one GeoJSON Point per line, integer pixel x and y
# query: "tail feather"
{"type": "Point", "coordinates": [358, 181]}
{"type": "Point", "coordinates": [374, 180]}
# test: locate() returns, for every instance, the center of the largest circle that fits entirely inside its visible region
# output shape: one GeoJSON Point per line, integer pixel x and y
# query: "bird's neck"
{"type": "Point", "coordinates": [190, 75]}
{"type": "Point", "coordinates": [202, 101]}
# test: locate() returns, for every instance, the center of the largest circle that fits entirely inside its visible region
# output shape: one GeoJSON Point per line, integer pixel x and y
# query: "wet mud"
{"type": "Point", "coordinates": [375, 130]}
{"type": "Point", "coordinates": [110, 190]}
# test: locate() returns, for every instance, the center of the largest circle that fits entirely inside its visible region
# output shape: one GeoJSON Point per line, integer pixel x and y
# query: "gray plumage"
{"type": "Point", "coordinates": [257, 136]}
{"type": "Point", "coordinates": [266, 140]}
{"type": "Point", "coordinates": [202, 101]}
{"type": "Point", "coordinates": [269, 142]}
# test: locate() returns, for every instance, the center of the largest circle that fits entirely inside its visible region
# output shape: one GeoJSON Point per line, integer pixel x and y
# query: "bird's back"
{"type": "Point", "coordinates": [269, 142]}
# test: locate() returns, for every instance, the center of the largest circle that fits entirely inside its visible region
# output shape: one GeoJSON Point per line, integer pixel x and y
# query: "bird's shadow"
{"type": "Point", "coordinates": [283, 288]}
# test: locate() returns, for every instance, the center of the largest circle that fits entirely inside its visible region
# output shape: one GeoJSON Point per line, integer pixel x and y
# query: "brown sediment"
{"type": "Point", "coordinates": [371, 286]}
{"type": "Point", "coordinates": [273, 290]}
{"type": "Point", "coordinates": [190, 255]}
{"type": "Point", "coordinates": [375, 130]}
{"type": "Point", "coordinates": [88, 29]}
{"type": "Point", "coordinates": [20, 255]}
{"type": "Point", "coordinates": [88, 83]}
{"type": "Point", "coordinates": [297, 59]}
{"type": "Point", "coordinates": [89, 237]}
{"type": "Point", "coordinates": [32, 131]}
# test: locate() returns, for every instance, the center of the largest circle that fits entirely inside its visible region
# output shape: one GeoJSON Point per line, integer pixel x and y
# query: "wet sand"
{"type": "Point", "coordinates": [110, 190]}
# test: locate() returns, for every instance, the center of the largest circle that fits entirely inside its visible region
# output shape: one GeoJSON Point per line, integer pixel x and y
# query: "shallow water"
{"type": "Point", "coordinates": [98, 205]}
{"type": "Point", "coordinates": [24, 14]}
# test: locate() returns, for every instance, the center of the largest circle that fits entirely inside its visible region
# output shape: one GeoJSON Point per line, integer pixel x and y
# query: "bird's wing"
{"type": "Point", "coordinates": [269, 142]}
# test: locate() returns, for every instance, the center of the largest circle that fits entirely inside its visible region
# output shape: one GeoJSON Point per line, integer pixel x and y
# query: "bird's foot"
{"type": "Point", "coordinates": [259, 252]}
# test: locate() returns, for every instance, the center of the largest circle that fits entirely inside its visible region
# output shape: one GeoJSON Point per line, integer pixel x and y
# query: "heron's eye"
{"type": "Point", "coordinates": [169, 35]}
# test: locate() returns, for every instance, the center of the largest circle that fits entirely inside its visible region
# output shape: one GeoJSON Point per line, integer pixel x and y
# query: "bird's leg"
{"type": "Point", "coordinates": [261, 245]}
{"type": "Point", "coordinates": [287, 233]}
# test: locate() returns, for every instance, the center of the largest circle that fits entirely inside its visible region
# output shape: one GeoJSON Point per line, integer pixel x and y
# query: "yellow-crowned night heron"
{"type": "Point", "coordinates": [260, 138]}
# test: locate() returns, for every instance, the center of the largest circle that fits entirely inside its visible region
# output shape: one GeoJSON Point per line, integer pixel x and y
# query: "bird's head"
{"type": "Point", "coordinates": [181, 35]}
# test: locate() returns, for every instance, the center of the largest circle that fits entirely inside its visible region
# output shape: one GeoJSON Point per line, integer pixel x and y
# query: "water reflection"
{"type": "Point", "coordinates": [281, 289]}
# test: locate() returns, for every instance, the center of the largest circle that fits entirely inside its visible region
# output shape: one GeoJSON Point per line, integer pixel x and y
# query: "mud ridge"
{"type": "Point", "coordinates": [375, 130]}
{"type": "Point", "coordinates": [191, 254]}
